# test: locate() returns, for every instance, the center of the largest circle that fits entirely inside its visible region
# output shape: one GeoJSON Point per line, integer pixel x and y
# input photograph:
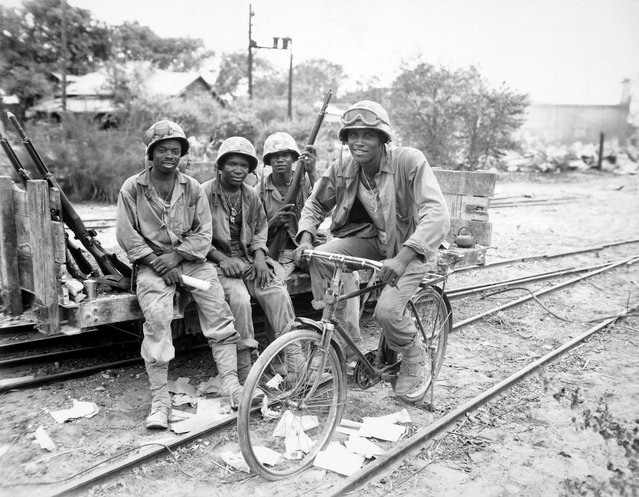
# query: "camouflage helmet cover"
{"type": "Point", "coordinates": [365, 114]}
{"type": "Point", "coordinates": [279, 142]}
{"type": "Point", "coordinates": [164, 130]}
{"type": "Point", "coordinates": [237, 145]}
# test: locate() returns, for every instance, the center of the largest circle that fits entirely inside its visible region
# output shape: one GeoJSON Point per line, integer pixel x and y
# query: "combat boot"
{"type": "Point", "coordinates": [158, 418]}
{"type": "Point", "coordinates": [225, 356]}
{"type": "Point", "coordinates": [412, 381]}
{"type": "Point", "coordinates": [244, 363]}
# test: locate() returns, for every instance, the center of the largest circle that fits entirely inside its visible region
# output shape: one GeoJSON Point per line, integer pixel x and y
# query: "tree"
{"type": "Point", "coordinates": [311, 79]}
{"type": "Point", "coordinates": [453, 115]}
{"type": "Point", "coordinates": [134, 42]}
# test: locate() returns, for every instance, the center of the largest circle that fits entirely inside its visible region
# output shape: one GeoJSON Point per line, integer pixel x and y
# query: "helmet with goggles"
{"type": "Point", "coordinates": [237, 145]}
{"type": "Point", "coordinates": [277, 143]}
{"type": "Point", "coordinates": [365, 115]}
{"type": "Point", "coordinates": [164, 130]}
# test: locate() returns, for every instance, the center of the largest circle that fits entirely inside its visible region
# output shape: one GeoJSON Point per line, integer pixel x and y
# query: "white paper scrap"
{"type": "Point", "coordinates": [235, 460]}
{"type": "Point", "coordinates": [348, 427]}
{"type": "Point", "coordinates": [267, 456]}
{"type": "Point", "coordinates": [336, 458]}
{"type": "Point", "coordinates": [382, 431]}
{"type": "Point", "coordinates": [43, 438]}
{"type": "Point", "coordinates": [212, 385]}
{"type": "Point", "coordinates": [80, 409]}
{"type": "Point", "coordinates": [266, 412]}
{"type": "Point", "coordinates": [296, 442]}
{"type": "Point", "coordinates": [180, 399]}
{"type": "Point", "coordinates": [208, 411]}
{"type": "Point", "coordinates": [181, 385]}
{"type": "Point", "coordinates": [275, 382]}
{"type": "Point", "coordinates": [363, 447]}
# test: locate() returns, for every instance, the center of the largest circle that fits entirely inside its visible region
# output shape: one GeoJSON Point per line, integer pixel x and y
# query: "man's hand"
{"type": "Point", "coordinates": [172, 277]}
{"type": "Point", "coordinates": [393, 269]}
{"type": "Point", "coordinates": [233, 267]}
{"type": "Point", "coordinates": [308, 158]}
{"type": "Point", "coordinates": [164, 263]}
{"type": "Point", "coordinates": [305, 244]}
{"type": "Point", "coordinates": [259, 272]}
{"type": "Point", "coordinates": [283, 216]}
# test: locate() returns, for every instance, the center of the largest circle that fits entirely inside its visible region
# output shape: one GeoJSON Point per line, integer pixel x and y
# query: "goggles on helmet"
{"type": "Point", "coordinates": [365, 116]}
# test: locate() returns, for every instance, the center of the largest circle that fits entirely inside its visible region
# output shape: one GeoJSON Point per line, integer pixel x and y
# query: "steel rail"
{"type": "Point", "coordinates": [550, 255]}
{"type": "Point", "coordinates": [477, 317]}
{"type": "Point", "coordinates": [382, 462]}
{"type": "Point", "coordinates": [470, 290]}
{"type": "Point", "coordinates": [63, 354]}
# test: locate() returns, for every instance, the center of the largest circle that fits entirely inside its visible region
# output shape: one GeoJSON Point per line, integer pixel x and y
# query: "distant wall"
{"type": "Point", "coordinates": [566, 124]}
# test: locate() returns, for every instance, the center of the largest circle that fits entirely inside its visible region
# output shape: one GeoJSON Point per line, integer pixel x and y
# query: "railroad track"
{"type": "Point", "coordinates": [375, 468]}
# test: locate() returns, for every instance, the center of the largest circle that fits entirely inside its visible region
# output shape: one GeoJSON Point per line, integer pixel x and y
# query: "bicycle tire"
{"type": "Point", "coordinates": [431, 307]}
{"type": "Point", "coordinates": [327, 403]}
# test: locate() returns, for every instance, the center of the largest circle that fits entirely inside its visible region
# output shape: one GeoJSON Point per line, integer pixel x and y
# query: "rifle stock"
{"type": "Point", "coordinates": [278, 240]}
{"type": "Point", "coordinates": [109, 263]}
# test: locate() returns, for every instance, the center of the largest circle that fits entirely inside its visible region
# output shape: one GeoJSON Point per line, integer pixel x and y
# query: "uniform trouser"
{"type": "Point", "coordinates": [156, 301]}
{"type": "Point", "coordinates": [390, 311]}
{"type": "Point", "coordinates": [273, 299]}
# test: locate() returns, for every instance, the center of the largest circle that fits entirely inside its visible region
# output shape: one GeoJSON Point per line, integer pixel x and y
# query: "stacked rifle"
{"type": "Point", "coordinates": [114, 272]}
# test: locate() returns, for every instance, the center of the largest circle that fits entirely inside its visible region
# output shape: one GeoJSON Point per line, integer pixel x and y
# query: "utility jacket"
{"type": "Point", "coordinates": [414, 209]}
{"type": "Point", "coordinates": [254, 224]}
{"type": "Point", "coordinates": [144, 225]}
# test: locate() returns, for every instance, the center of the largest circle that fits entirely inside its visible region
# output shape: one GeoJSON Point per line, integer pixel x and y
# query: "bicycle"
{"type": "Point", "coordinates": [310, 400]}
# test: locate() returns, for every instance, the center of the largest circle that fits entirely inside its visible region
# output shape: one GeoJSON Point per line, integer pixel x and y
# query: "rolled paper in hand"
{"type": "Point", "coordinates": [196, 283]}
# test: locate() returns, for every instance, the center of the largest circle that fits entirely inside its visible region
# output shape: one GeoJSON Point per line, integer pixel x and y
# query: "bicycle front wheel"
{"type": "Point", "coordinates": [305, 390]}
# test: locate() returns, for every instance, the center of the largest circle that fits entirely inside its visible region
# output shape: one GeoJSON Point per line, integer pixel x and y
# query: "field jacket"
{"type": "Point", "coordinates": [254, 224]}
{"type": "Point", "coordinates": [414, 209]}
{"type": "Point", "coordinates": [145, 226]}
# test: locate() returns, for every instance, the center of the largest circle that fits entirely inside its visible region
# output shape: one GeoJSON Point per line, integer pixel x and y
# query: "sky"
{"type": "Point", "coordinates": [558, 51]}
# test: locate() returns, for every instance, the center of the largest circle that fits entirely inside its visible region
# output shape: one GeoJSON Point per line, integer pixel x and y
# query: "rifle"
{"type": "Point", "coordinates": [85, 267]}
{"type": "Point", "coordinates": [278, 240]}
{"type": "Point", "coordinates": [115, 271]}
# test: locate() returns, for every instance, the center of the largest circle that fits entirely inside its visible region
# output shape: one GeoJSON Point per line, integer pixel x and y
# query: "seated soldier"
{"type": "Point", "coordinates": [239, 248]}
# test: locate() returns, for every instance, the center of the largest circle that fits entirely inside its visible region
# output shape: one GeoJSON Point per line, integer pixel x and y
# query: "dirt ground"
{"type": "Point", "coordinates": [570, 429]}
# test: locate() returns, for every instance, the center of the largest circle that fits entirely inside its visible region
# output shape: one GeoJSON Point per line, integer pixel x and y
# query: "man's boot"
{"type": "Point", "coordinates": [244, 363]}
{"type": "Point", "coordinates": [158, 418]}
{"type": "Point", "coordinates": [412, 381]}
{"type": "Point", "coordinates": [225, 356]}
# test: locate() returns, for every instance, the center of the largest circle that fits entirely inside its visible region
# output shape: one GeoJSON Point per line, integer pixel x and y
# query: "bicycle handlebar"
{"type": "Point", "coordinates": [359, 262]}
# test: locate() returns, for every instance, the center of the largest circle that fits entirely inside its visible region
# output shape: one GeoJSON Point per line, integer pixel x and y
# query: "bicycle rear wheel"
{"type": "Point", "coordinates": [433, 318]}
{"type": "Point", "coordinates": [304, 406]}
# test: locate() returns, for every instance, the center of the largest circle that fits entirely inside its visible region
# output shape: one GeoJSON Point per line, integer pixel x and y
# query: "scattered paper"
{"type": "Point", "coordinates": [180, 399]}
{"type": "Point", "coordinates": [177, 415]}
{"type": "Point", "coordinates": [208, 411]}
{"type": "Point", "coordinates": [348, 427]}
{"type": "Point", "coordinates": [275, 382]}
{"type": "Point", "coordinates": [267, 456]}
{"type": "Point", "coordinates": [80, 409]}
{"type": "Point", "coordinates": [363, 447]}
{"type": "Point", "coordinates": [290, 423]}
{"type": "Point", "coordinates": [338, 459]}
{"type": "Point", "coordinates": [181, 385]}
{"type": "Point", "coordinates": [382, 431]}
{"type": "Point", "coordinates": [266, 412]}
{"type": "Point", "coordinates": [43, 438]}
{"type": "Point", "coordinates": [235, 460]}
{"type": "Point", "coordinates": [212, 385]}
{"type": "Point", "coordinates": [297, 444]}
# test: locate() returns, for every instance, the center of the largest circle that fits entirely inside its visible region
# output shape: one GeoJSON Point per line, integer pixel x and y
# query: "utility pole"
{"type": "Point", "coordinates": [290, 83]}
{"type": "Point", "coordinates": [63, 43]}
{"type": "Point", "coordinates": [251, 45]}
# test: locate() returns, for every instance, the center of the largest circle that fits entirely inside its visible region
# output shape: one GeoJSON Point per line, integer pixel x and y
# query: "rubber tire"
{"type": "Point", "coordinates": [247, 422]}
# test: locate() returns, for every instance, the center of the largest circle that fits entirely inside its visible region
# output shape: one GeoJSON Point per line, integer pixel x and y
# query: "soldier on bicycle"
{"type": "Point", "coordinates": [386, 205]}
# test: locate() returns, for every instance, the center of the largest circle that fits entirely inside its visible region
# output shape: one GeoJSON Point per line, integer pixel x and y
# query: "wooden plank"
{"type": "Point", "coordinates": [105, 309]}
{"type": "Point", "coordinates": [10, 294]}
{"type": "Point", "coordinates": [23, 237]}
{"type": "Point", "coordinates": [59, 242]}
{"type": "Point", "coordinates": [482, 231]}
{"type": "Point", "coordinates": [467, 207]}
{"type": "Point", "coordinates": [44, 273]}
{"type": "Point", "coordinates": [478, 183]}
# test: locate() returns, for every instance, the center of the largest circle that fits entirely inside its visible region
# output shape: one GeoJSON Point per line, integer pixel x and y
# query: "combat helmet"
{"type": "Point", "coordinates": [237, 145]}
{"type": "Point", "coordinates": [164, 130]}
{"type": "Point", "coordinates": [279, 142]}
{"type": "Point", "coordinates": [365, 115]}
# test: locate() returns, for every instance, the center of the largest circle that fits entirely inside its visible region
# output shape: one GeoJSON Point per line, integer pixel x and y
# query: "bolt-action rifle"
{"type": "Point", "coordinates": [85, 268]}
{"type": "Point", "coordinates": [278, 240]}
{"type": "Point", "coordinates": [116, 273]}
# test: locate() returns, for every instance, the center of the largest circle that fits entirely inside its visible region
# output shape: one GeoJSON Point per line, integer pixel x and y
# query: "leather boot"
{"type": "Point", "coordinates": [244, 363]}
{"type": "Point", "coordinates": [412, 381]}
{"type": "Point", "coordinates": [158, 418]}
{"type": "Point", "coordinates": [225, 356]}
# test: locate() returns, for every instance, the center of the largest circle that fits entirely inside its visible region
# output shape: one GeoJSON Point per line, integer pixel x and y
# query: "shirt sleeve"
{"type": "Point", "coordinates": [126, 225]}
{"type": "Point", "coordinates": [197, 241]}
{"type": "Point", "coordinates": [319, 204]}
